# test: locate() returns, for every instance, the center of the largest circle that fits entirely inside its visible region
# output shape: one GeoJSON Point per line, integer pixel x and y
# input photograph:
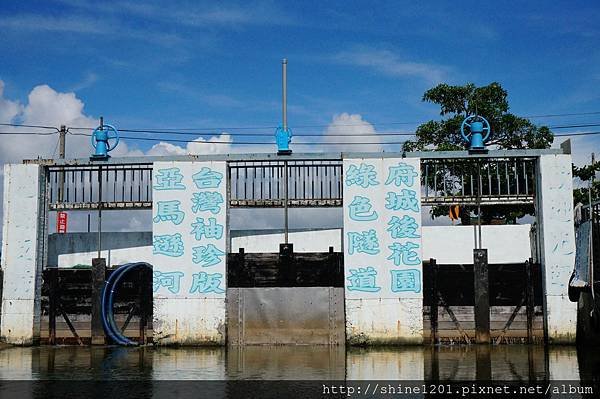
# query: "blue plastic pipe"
{"type": "Point", "coordinates": [108, 296]}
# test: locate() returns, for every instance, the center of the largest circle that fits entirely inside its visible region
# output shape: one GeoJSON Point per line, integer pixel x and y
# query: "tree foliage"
{"type": "Point", "coordinates": [457, 102]}
{"type": "Point", "coordinates": [585, 174]}
{"type": "Point", "coordinates": [508, 131]}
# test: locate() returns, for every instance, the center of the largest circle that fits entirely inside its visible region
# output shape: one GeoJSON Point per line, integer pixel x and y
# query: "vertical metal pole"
{"type": "Point", "coordinates": [285, 200]}
{"type": "Point", "coordinates": [61, 154]}
{"type": "Point", "coordinates": [99, 211]}
{"type": "Point", "coordinates": [482, 296]}
{"type": "Point", "coordinates": [284, 93]}
{"type": "Point", "coordinates": [479, 193]}
{"type": "Point", "coordinates": [593, 282]}
{"type": "Point", "coordinates": [100, 200]}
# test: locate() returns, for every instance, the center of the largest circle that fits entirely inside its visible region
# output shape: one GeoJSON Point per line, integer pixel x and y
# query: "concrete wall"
{"type": "Point", "coordinates": [557, 245]}
{"type": "Point", "coordinates": [190, 231]}
{"type": "Point", "coordinates": [304, 241]}
{"type": "Point", "coordinates": [71, 249]}
{"type": "Point", "coordinates": [447, 244]}
{"type": "Point", "coordinates": [22, 278]}
{"type": "Point", "coordinates": [383, 251]}
{"type": "Point", "coordinates": [454, 244]}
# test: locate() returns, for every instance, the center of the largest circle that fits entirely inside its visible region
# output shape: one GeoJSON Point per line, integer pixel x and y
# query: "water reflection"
{"type": "Point", "coordinates": [506, 362]}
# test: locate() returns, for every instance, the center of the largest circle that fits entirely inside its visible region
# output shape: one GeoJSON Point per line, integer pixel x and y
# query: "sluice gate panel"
{"type": "Point", "coordinates": [285, 298]}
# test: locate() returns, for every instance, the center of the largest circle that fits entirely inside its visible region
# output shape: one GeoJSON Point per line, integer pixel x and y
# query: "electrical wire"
{"type": "Point", "coordinates": [29, 133]}
{"type": "Point", "coordinates": [321, 126]}
{"type": "Point", "coordinates": [164, 139]}
{"type": "Point", "coordinates": [34, 126]}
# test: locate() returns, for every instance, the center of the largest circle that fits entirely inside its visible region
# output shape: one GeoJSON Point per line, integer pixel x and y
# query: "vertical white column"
{"type": "Point", "coordinates": [22, 274]}
{"type": "Point", "coordinates": [382, 251]}
{"type": "Point", "coordinates": [557, 245]}
{"type": "Point", "coordinates": [189, 251]}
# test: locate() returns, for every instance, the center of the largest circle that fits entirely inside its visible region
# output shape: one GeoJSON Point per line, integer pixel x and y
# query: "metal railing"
{"type": "Point", "coordinates": [309, 183]}
{"type": "Point", "coordinates": [115, 186]}
{"type": "Point", "coordinates": [478, 180]}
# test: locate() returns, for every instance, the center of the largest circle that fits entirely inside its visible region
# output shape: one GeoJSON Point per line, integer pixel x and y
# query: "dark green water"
{"type": "Point", "coordinates": [506, 362]}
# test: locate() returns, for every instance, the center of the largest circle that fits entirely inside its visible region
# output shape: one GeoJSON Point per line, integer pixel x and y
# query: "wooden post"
{"type": "Point", "coordinates": [433, 301]}
{"type": "Point", "coordinates": [142, 293]}
{"type": "Point", "coordinates": [286, 264]}
{"type": "Point", "coordinates": [482, 296]}
{"type": "Point", "coordinates": [98, 278]}
{"type": "Point", "coordinates": [331, 268]}
{"type": "Point", "coordinates": [529, 299]}
{"type": "Point", "coordinates": [53, 299]}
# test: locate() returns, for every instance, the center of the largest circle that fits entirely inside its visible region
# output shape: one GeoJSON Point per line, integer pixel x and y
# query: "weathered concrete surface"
{"type": "Point", "coordinates": [22, 274]}
{"type": "Point", "coordinates": [557, 245]}
{"type": "Point", "coordinates": [189, 280]}
{"type": "Point", "coordinates": [189, 321]}
{"type": "Point", "coordinates": [382, 265]}
{"type": "Point", "coordinates": [384, 321]}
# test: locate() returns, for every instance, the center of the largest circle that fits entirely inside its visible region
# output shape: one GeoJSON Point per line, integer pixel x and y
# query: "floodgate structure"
{"type": "Point", "coordinates": [383, 278]}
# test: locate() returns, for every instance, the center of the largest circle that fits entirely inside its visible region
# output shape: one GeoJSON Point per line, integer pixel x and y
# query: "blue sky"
{"type": "Point", "coordinates": [354, 67]}
{"type": "Point", "coordinates": [194, 64]}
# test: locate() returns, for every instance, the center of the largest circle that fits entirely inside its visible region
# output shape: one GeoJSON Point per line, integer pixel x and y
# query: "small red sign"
{"type": "Point", "coordinates": [61, 222]}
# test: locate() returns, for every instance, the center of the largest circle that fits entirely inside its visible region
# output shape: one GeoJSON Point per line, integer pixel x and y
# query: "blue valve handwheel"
{"type": "Point", "coordinates": [486, 127]}
{"type": "Point", "coordinates": [111, 134]}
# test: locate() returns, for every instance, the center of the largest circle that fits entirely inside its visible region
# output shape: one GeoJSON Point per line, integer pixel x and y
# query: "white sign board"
{"type": "Point", "coordinates": [189, 229]}
{"type": "Point", "coordinates": [382, 228]}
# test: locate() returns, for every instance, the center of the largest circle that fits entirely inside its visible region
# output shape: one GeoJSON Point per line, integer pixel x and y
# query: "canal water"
{"type": "Point", "coordinates": [516, 363]}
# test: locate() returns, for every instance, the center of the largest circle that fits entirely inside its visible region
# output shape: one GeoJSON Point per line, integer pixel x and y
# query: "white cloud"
{"type": "Point", "coordinates": [391, 64]}
{"type": "Point", "coordinates": [351, 128]}
{"type": "Point", "coordinates": [215, 145]}
{"type": "Point", "coordinates": [88, 80]}
{"type": "Point", "coordinates": [89, 25]}
{"type": "Point", "coordinates": [196, 15]}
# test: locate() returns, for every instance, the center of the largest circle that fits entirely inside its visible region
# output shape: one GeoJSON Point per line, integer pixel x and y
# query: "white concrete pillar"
{"type": "Point", "coordinates": [383, 251]}
{"type": "Point", "coordinates": [556, 245]}
{"type": "Point", "coordinates": [189, 251]}
{"type": "Point", "coordinates": [20, 313]}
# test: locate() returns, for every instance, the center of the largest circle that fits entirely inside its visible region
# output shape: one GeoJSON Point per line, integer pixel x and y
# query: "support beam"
{"type": "Point", "coordinates": [529, 299]}
{"type": "Point", "coordinates": [482, 296]}
{"type": "Point", "coordinates": [98, 279]}
{"type": "Point", "coordinates": [53, 300]}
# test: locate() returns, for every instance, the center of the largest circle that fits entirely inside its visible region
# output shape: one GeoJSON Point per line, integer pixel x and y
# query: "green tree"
{"type": "Point", "coordinates": [508, 131]}
{"type": "Point", "coordinates": [457, 102]}
{"type": "Point", "coordinates": [585, 174]}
